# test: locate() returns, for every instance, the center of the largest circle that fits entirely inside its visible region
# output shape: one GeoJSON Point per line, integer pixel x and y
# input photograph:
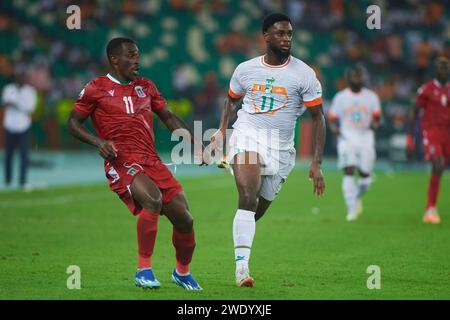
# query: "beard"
{"type": "Point", "coordinates": [279, 53]}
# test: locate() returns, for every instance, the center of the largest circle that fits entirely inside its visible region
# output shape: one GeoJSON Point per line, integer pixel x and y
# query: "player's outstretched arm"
{"type": "Point", "coordinates": [75, 126]}
{"type": "Point", "coordinates": [173, 122]}
{"type": "Point", "coordinates": [218, 138]}
{"type": "Point", "coordinates": [334, 126]}
{"type": "Point", "coordinates": [319, 133]}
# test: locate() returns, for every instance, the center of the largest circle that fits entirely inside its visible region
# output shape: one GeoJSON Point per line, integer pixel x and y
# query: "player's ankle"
{"type": "Point", "coordinates": [144, 268]}
{"type": "Point", "coordinates": [182, 274]}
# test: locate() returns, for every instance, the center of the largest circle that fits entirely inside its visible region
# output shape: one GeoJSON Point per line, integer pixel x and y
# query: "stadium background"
{"type": "Point", "coordinates": [189, 49]}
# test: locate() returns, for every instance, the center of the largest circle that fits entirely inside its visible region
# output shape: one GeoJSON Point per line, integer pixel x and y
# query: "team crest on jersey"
{"type": "Point", "coordinates": [140, 92]}
{"type": "Point", "coordinates": [269, 85]}
{"type": "Point", "coordinates": [133, 168]}
{"type": "Point", "coordinates": [132, 171]}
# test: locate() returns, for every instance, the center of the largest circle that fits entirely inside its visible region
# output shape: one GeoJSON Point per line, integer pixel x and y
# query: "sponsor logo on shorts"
{"type": "Point", "coordinates": [113, 174]}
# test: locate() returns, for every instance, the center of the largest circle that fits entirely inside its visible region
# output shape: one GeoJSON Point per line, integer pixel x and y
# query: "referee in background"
{"type": "Point", "coordinates": [19, 100]}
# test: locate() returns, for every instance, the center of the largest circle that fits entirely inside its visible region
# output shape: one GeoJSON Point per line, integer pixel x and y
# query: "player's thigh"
{"type": "Point", "coordinates": [446, 149]}
{"type": "Point", "coordinates": [247, 172]}
{"type": "Point", "coordinates": [177, 211]}
{"type": "Point", "coordinates": [146, 192]}
{"type": "Point", "coordinates": [433, 144]}
{"type": "Point", "coordinates": [367, 157]}
{"type": "Point", "coordinates": [347, 156]}
{"type": "Point", "coordinates": [271, 184]}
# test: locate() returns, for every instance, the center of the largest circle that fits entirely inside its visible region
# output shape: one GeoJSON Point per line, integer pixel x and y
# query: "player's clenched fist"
{"type": "Point", "coordinates": [107, 150]}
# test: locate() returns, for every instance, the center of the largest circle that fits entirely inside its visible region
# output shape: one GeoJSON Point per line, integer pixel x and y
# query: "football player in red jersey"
{"type": "Point", "coordinates": [433, 97]}
{"type": "Point", "coordinates": [121, 106]}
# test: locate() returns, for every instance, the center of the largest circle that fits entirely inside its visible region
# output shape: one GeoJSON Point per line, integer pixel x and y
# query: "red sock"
{"type": "Point", "coordinates": [147, 227]}
{"type": "Point", "coordinates": [184, 244]}
{"type": "Point", "coordinates": [433, 190]}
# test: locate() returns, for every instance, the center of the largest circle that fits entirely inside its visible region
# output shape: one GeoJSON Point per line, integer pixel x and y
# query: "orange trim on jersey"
{"type": "Point", "coordinates": [233, 95]}
{"type": "Point", "coordinates": [332, 116]}
{"type": "Point", "coordinates": [376, 115]}
{"type": "Point", "coordinates": [313, 103]}
{"type": "Point", "coordinates": [280, 66]}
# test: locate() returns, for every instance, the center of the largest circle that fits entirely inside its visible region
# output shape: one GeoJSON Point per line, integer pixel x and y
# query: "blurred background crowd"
{"type": "Point", "coordinates": [190, 48]}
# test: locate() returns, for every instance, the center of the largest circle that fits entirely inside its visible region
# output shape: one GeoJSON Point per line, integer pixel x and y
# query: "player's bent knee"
{"type": "Point", "coordinates": [153, 203]}
{"type": "Point", "coordinates": [349, 171]}
{"type": "Point", "coordinates": [438, 167]}
{"type": "Point", "coordinates": [248, 201]}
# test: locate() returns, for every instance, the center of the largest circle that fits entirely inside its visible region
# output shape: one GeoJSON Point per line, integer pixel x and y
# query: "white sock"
{"type": "Point", "coordinates": [364, 184]}
{"type": "Point", "coordinates": [350, 192]}
{"type": "Point", "coordinates": [243, 232]}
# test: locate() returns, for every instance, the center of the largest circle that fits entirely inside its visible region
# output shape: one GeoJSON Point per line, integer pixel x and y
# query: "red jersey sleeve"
{"type": "Point", "coordinates": [158, 101]}
{"type": "Point", "coordinates": [86, 101]}
{"type": "Point", "coordinates": [422, 96]}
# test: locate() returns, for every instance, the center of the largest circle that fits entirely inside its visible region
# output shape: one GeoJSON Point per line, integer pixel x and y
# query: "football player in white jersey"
{"type": "Point", "coordinates": [276, 89]}
{"type": "Point", "coordinates": [354, 116]}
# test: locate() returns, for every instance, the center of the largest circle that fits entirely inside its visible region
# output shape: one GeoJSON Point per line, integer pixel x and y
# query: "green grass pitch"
{"type": "Point", "coordinates": [303, 249]}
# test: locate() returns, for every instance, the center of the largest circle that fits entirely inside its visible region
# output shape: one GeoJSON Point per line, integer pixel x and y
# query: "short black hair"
{"type": "Point", "coordinates": [273, 18]}
{"type": "Point", "coordinates": [114, 46]}
{"type": "Point", "coordinates": [353, 68]}
{"type": "Point", "coordinates": [439, 60]}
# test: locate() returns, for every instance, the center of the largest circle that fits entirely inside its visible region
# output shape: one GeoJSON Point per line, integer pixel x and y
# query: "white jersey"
{"type": "Point", "coordinates": [18, 117]}
{"type": "Point", "coordinates": [355, 112]}
{"type": "Point", "coordinates": [274, 97]}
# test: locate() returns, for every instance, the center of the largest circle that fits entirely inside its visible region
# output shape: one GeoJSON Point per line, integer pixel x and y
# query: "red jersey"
{"type": "Point", "coordinates": [434, 98]}
{"type": "Point", "coordinates": [123, 113]}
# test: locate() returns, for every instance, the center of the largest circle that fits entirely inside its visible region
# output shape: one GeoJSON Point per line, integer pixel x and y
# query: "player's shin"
{"type": "Point", "coordinates": [363, 185]}
{"type": "Point", "coordinates": [243, 233]}
{"type": "Point", "coordinates": [433, 191]}
{"type": "Point", "coordinates": [184, 244]}
{"type": "Point", "coordinates": [147, 227]}
{"type": "Point", "coordinates": [350, 191]}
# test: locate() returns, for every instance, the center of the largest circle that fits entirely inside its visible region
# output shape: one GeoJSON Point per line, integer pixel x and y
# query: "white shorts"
{"type": "Point", "coordinates": [276, 164]}
{"type": "Point", "coordinates": [362, 156]}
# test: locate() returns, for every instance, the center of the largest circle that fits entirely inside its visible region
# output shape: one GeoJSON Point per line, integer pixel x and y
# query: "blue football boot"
{"type": "Point", "coordinates": [187, 281]}
{"type": "Point", "coordinates": [146, 279]}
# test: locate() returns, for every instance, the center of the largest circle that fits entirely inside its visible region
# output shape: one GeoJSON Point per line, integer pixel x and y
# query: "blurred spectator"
{"type": "Point", "coordinates": [233, 42]}
{"type": "Point", "coordinates": [206, 104]}
{"type": "Point", "coordinates": [19, 100]}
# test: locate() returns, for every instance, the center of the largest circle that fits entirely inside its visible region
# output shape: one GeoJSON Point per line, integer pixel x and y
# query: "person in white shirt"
{"type": "Point", "coordinates": [19, 101]}
{"type": "Point", "coordinates": [276, 89]}
{"type": "Point", "coordinates": [353, 117]}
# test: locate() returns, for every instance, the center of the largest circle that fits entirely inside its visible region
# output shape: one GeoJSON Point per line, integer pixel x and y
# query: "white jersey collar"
{"type": "Point", "coordinates": [110, 77]}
